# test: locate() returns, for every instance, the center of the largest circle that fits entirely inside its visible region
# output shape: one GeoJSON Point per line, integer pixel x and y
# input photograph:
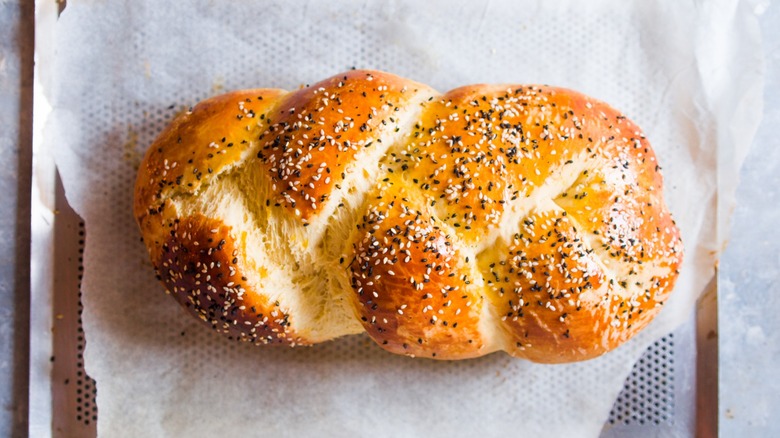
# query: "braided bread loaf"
{"type": "Point", "coordinates": [522, 218]}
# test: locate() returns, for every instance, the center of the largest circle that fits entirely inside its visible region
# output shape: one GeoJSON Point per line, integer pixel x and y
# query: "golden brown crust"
{"type": "Point", "coordinates": [315, 134]}
{"type": "Point", "coordinates": [196, 147]}
{"type": "Point", "coordinates": [517, 217]}
{"type": "Point", "coordinates": [558, 305]}
{"type": "Point", "coordinates": [413, 286]}
{"type": "Point", "coordinates": [202, 266]}
{"type": "Point", "coordinates": [200, 143]}
{"type": "Point", "coordinates": [479, 150]}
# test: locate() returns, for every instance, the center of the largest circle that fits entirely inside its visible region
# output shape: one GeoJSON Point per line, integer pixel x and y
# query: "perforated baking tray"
{"type": "Point", "coordinates": [668, 393]}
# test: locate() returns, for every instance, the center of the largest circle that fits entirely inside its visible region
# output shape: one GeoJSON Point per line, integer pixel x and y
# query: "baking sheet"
{"type": "Point", "coordinates": [123, 70]}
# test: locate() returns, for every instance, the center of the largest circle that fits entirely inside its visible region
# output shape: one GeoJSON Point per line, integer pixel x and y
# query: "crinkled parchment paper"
{"type": "Point", "coordinates": [689, 74]}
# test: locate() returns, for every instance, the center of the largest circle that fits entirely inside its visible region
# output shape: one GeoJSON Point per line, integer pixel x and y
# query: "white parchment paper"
{"type": "Point", "coordinates": [688, 73]}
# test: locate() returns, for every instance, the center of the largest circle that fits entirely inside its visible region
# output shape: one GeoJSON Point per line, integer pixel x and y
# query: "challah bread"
{"type": "Point", "coordinates": [522, 218]}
